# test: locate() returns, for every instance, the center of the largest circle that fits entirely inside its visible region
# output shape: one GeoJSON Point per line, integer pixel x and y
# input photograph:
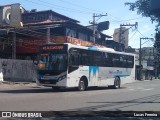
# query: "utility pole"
{"type": "Point", "coordinates": [140, 55]}
{"type": "Point", "coordinates": [14, 45]}
{"type": "Point", "coordinates": [121, 38]}
{"type": "Point", "coordinates": [94, 24]}
{"type": "Point", "coordinates": [157, 61]}
{"type": "Point", "coordinates": [48, 35]}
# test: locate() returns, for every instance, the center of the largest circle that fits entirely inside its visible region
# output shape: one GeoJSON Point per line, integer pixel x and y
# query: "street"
{"type": "Point", "coordinates": [138, 96]}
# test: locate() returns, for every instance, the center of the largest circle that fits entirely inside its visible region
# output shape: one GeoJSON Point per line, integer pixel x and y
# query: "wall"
{"type": "Point", "coordinates": [17, 70]}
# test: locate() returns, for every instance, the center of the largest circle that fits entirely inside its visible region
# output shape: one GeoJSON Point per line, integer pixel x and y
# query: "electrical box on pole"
{"type": "Point", "coordinates": [103, 26]}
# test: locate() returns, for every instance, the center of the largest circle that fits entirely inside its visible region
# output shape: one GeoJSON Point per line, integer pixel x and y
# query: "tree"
{"type": "Point", "coordinates": [143, 7]}
{"type": "Point", "coordinates": [157, 42]}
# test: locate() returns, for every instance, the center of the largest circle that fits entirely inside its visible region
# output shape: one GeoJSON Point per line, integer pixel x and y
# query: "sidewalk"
{"type": "Point", "coordinates": [14, 85]}
{"type": "Point", "coordinates": [148, 80]}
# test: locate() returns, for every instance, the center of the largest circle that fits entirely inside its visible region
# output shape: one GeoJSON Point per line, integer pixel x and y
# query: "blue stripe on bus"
{"type": "Point", "coordinates": [120, 75]}
{"type": "Point", "coordinates": [93, 48]}
{"type": "Point", "coordinates": [93, 69]}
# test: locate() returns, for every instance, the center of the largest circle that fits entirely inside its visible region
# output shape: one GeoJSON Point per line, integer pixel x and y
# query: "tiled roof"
{"type": "Point", "coordinates": [51, 12]}
{"type": "Point", "coordinates": [45, 22]}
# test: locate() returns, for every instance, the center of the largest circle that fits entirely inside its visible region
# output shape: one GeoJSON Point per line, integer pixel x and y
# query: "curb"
{"type": "Point", "coordinates": [14, 83]}
{"type": "Point", "coordinates": [147, 80]}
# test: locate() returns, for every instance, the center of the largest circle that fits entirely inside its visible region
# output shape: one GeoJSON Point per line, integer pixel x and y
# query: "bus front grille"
{"type": "Point", "coordinates": [48, 81]}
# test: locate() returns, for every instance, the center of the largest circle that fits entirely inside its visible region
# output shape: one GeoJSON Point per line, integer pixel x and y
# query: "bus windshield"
{"type": "Point", "coordinates": [52, 62]}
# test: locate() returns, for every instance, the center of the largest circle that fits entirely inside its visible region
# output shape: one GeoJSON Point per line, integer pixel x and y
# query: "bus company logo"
{"type": "Point", "coordinates": [6, 114]}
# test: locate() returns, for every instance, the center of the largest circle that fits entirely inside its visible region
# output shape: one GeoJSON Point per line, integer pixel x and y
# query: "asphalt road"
{"type": "Point", "coordinates": [137, 96]}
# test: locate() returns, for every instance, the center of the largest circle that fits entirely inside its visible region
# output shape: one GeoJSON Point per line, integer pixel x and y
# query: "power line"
{"type": "Point", "coordinates": [70, 3]}
{"type": "Point", "coordinates": [74, 10]}
{"type": "Point", "coordinates": [57, 7]}
{"type": "Point", "coordinates": [151, 45]}
{"type": "Point", "coordinates": [145, 42]}
{"type": "Point", "coordinates": [123, 31]}
{"type": "Point", "coordinates": [140, 33]}
{"type": "Point", "coordinates": [133, 35]}
{"type": "Point", "coordinates": [128, 19]}
{"type": "Point", "coordinates": [66, 8]}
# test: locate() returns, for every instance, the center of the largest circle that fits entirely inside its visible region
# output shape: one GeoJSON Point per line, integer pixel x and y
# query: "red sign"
{"type": "Point", "coordinates": [31, 44]}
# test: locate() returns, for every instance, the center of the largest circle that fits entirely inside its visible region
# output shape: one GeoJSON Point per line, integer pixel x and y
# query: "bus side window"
{"type": "Point", "coordinates": [115, 60]}
{"type": "Point", "coordinates": [85, 58]}
{"type": "Point", "coordinates": [121, 62]}
{"type": "Point", "coordinates": [105, 60]}
{"type": "Point", "coordinates": [130, 61]}
{"type": "Point", "coordinates": [110, 62]}
{"type": "Point", "coordinates": [98, 58]}
{"type": "Point", "coordinates": [74, 57]}
{"type": "Point", "coordinates": [74, 60]}
{"type": "Point", "coordinates": [125, 61]}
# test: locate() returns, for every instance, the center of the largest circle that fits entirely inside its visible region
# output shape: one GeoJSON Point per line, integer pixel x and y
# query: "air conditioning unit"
{"type": "Point", "coordinates": [5, 13]}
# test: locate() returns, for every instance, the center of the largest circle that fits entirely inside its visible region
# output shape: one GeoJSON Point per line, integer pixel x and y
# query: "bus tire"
{"type": "Point", "coordinates": [82, 85]}
{"type": "Point", "coordinates": [117, 83]}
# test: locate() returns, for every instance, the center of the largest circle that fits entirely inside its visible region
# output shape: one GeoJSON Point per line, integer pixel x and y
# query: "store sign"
{"type": "Point", "coordinates": [78, 41]}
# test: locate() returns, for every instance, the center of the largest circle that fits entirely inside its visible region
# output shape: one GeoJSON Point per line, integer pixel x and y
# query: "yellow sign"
{"type": "Point", "coordinates": [78, 41]}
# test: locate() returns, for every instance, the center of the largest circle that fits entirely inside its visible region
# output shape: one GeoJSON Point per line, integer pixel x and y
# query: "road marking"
{"type": "Point", "coordinates": [148, 89]}
{"type": "Point", "coordinates": [131, 89]}
{"type": "Point", "coordinates": [140, 89]}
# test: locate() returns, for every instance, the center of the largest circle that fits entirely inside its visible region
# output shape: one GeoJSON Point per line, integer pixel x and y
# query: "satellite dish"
{"type": "Point", "coordinates": [7, 16]}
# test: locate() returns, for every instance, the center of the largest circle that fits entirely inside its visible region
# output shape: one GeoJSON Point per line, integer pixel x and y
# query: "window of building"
{"type": "Point", "coordinates": [82, 36]}
{"type": "Point", "coordinates": [70, 32]}
{"type": "Point", "coordinates": [90, 38]}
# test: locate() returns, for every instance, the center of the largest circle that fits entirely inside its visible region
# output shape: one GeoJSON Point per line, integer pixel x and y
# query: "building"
{"type": "Point", "coordinates": [124, 36]}
{"type": "Point", "coordinates": [35, 17]}
{"type": "Point", "coordinates": [41, 27]}
{"type": "Point", "coordinates": [148, 55]}
{"type": "Point", "coordinates": [115, 45]}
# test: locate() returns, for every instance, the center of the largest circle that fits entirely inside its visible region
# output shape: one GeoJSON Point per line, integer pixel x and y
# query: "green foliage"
{"type": "Point", "coordinates": [143, 7]}
{"type": "Point", "coordinates": [157, 42]}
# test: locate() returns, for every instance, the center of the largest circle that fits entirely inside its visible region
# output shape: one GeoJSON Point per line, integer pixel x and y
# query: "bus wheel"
{"type": "Point", "coordinates": [117, 83]}
{"type": "Point", "coordinates": [82, 85]}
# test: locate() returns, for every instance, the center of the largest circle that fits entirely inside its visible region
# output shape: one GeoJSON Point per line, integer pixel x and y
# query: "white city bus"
{"type": "Point", "coordinates": [68, 65]}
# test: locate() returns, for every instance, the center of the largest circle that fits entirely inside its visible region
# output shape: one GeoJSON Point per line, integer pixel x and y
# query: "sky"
{"type": "Point", "coordinates": [82, 10]}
